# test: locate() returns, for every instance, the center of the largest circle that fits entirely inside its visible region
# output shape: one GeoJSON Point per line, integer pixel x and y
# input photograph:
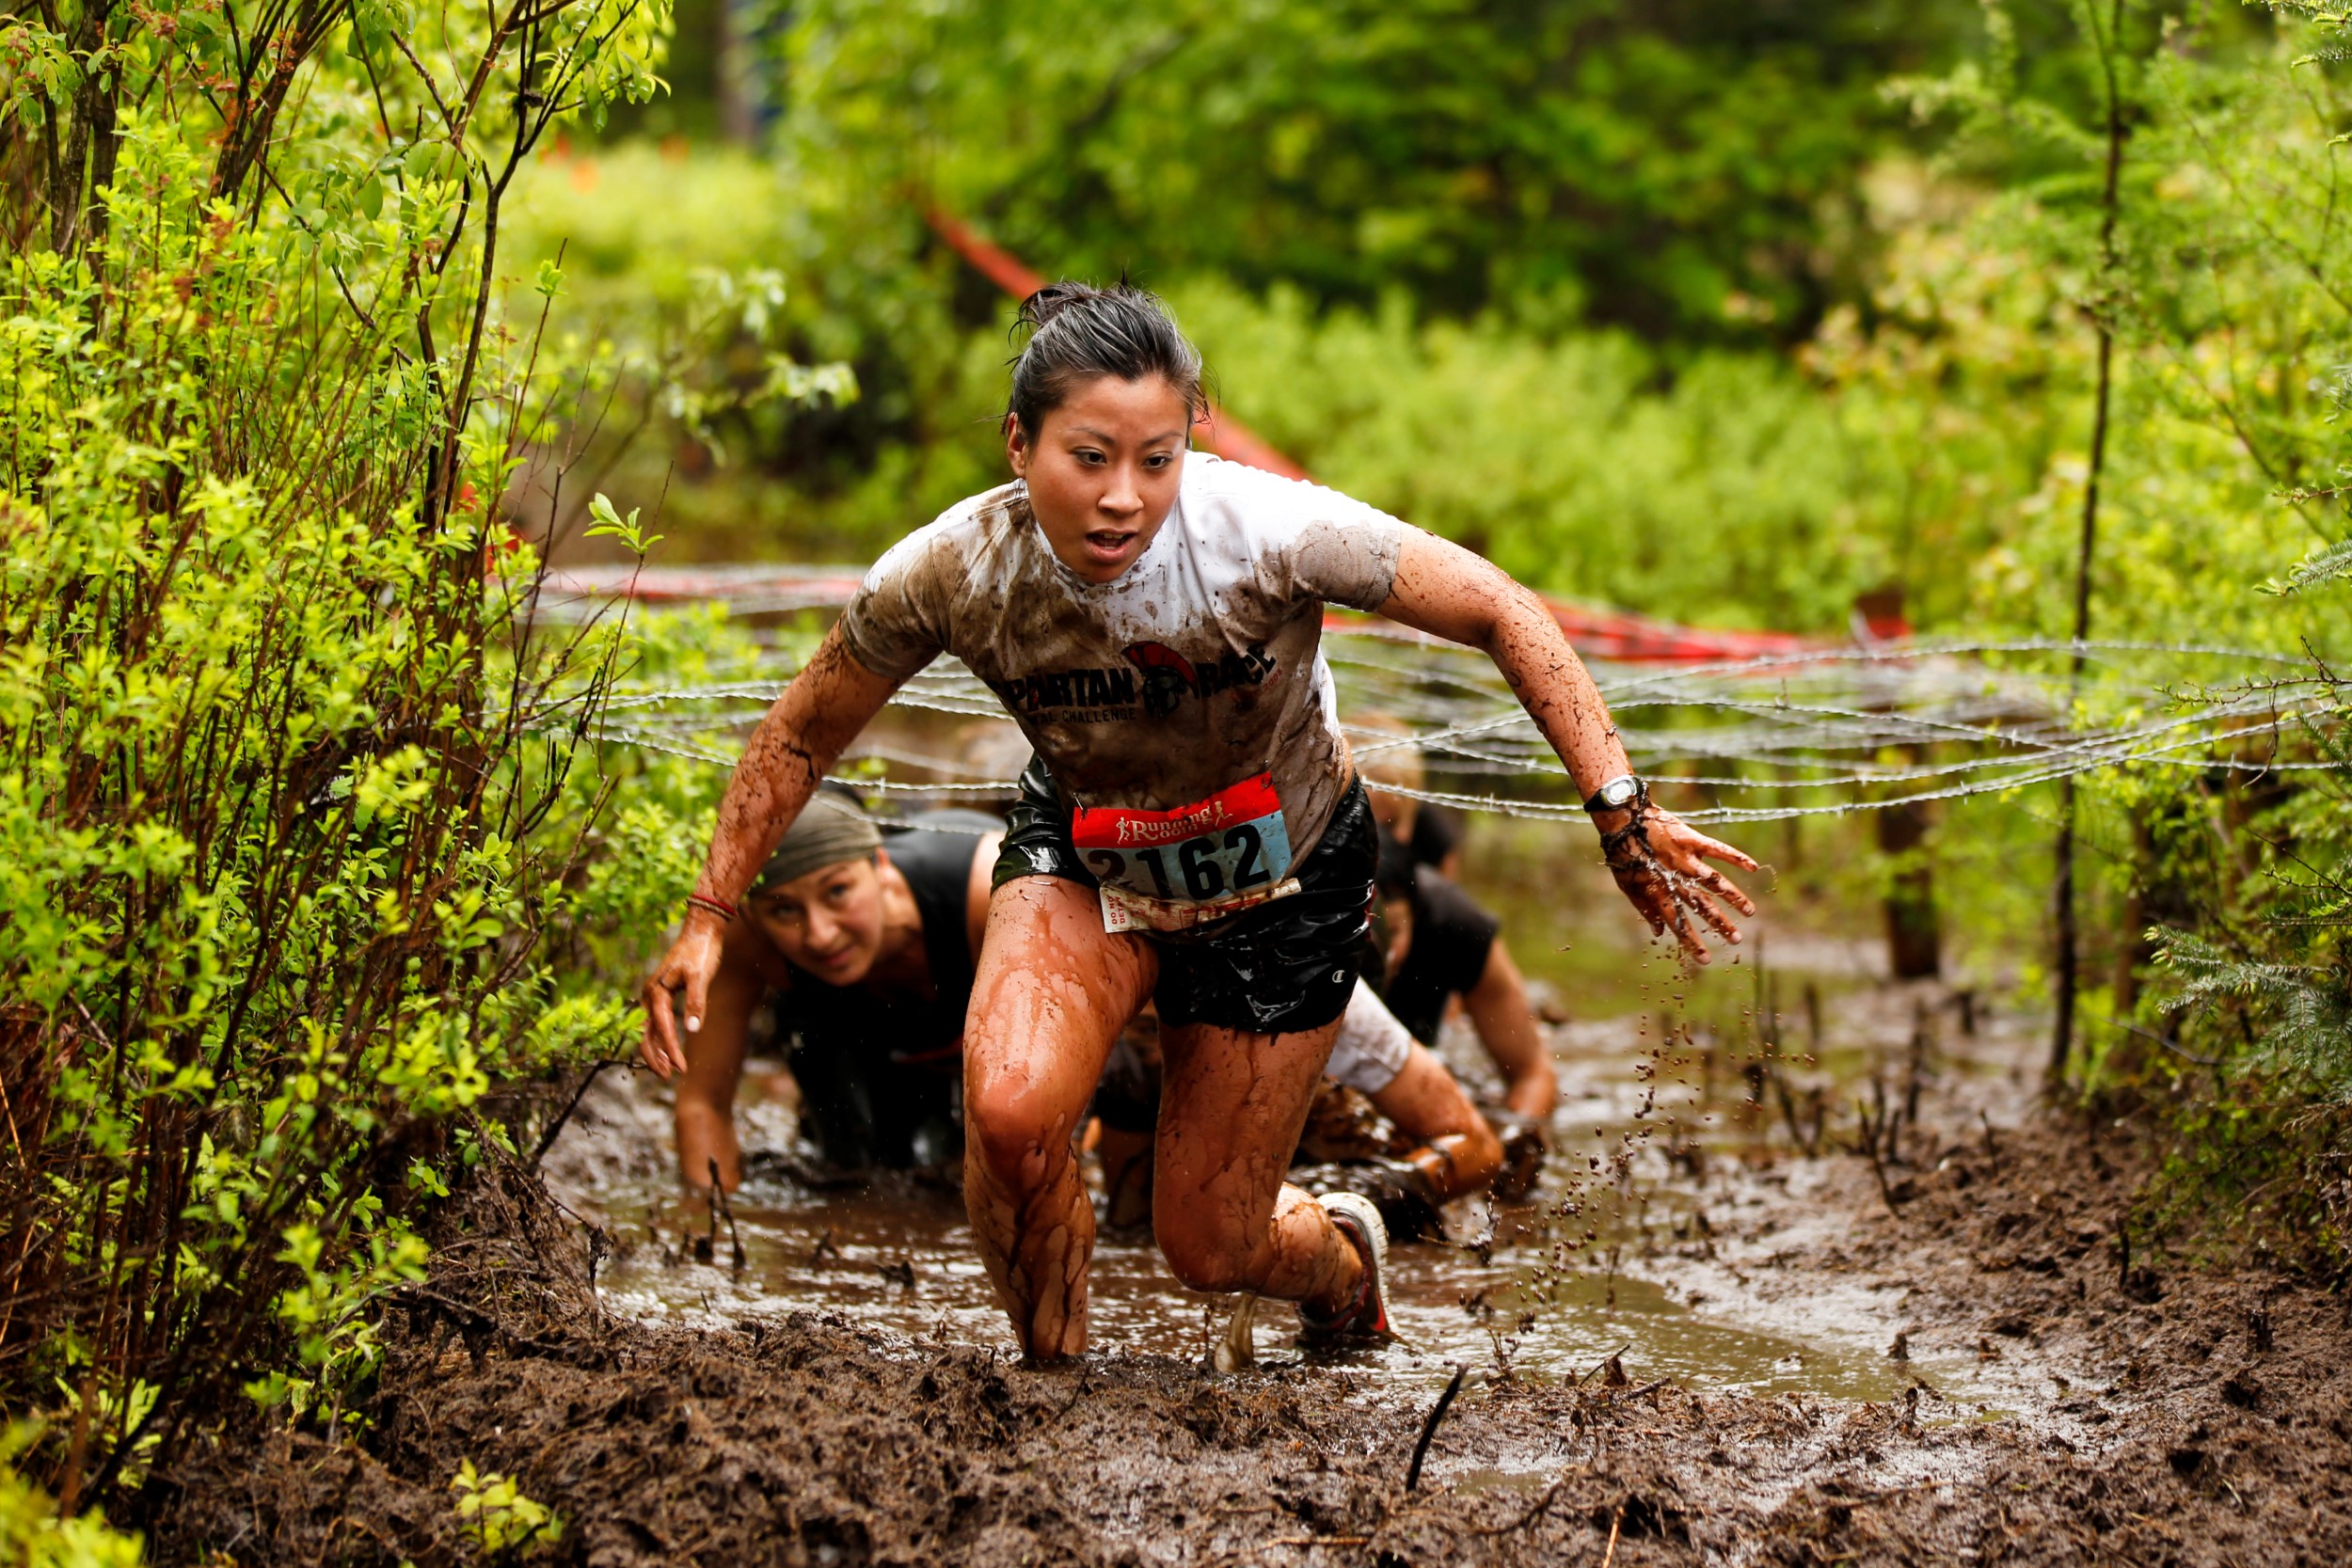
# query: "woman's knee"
{"type": "Point", "coordinates": [1204, 1255]}
{"type": "Point", "coordinates": [1018, 1130]}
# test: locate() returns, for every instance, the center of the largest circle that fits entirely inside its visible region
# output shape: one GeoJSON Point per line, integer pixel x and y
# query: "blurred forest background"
{"type": "Point", "coordinates": [1720, 312]}
{"type": "Point", "coordinates": [319, 314]}
{"type": "Point", "coordinates": [2030, 318]}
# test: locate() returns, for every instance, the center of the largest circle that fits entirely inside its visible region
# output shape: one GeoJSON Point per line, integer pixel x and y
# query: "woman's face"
{"type": "Point", "coordinates": [828, 923]}
{"type": "Point", "coordinates": [1103, 470]}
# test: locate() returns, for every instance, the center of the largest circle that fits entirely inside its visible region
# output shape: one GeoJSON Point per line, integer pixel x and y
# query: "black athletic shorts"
{"type": "Point", "coordinates": [1277, 968]}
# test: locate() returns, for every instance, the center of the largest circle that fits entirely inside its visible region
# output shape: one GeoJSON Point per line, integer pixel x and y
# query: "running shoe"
{"type": "Point", "coordinates": [1367, 1316]}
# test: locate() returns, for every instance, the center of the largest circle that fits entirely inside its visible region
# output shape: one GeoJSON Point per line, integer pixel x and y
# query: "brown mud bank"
{"type": "Point", "coordinates": [2207, 1419]}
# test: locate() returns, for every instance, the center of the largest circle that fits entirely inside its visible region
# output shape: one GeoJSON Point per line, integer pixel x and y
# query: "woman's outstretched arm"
{"type": "Point", "coordinates": [1447, 592]}
{"type": "Point", "coordinates": [828, 703]}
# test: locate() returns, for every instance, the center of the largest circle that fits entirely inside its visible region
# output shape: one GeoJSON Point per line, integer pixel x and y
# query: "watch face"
{"type": "Point", "coordinates": [1617, 792]}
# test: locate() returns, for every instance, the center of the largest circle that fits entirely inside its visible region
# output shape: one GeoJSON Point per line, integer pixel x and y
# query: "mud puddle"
{"type": "Point", "coordinates": [1665, 1200]}
{"type": "Point", "coordinates": [678, 1412]}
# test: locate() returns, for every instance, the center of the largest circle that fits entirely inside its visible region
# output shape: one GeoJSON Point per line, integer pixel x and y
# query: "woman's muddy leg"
{"type": "Point", "coordinates": [1052, 992]}
{"type": "Point", "coordinates": [1230, 1117]}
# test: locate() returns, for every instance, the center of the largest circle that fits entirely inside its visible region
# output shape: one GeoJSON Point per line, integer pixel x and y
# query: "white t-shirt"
{"type": "Point", "coordinates": [1372, 1046]}
{"type": "Point", "coordinates": [1183, 707]}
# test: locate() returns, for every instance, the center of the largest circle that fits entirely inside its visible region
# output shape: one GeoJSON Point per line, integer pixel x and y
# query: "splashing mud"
{"type": "Point", "coordinates": [1663, 1200]}
{"type": "Point", "coordinates": [1924, 1351]}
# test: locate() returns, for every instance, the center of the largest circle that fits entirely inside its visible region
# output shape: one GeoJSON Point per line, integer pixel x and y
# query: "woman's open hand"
{"type": "Point", "coordinates": [1661, 862]}
{"type": "Point", "coordinates": [685, 970]}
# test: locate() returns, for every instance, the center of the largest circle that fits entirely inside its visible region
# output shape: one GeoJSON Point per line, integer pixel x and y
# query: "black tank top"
{"type": "Point", "coordinates": [901, 1026]}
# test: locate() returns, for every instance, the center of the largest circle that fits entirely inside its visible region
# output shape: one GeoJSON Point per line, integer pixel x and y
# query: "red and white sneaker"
{"type": "Point", "coordinates": [1367, 1316]}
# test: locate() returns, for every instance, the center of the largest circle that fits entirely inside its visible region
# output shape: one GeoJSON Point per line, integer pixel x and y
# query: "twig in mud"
{"type": "Point", "coordinates": [547, 1137]}
{"type": "Point", "coordinates": [1992, 1149]}
{"type": "Point", "coordinates": [1321, 1541]}
{"type": "Point", "coordinates": [1429, 1427]}
{"type": "Point", "coordinates": [1616, 1523]}
{"type": "Point", "coordinates": [719, 1205]}
{"type": "Point", "coordinates": [1922, 1041]}
{"type": "Point", "coordinates": [1604, 1364]}
{"type": "Point", "coordinates": [1871, 1133]}
{"type": "Point", "coordinates": [1812, 1145]}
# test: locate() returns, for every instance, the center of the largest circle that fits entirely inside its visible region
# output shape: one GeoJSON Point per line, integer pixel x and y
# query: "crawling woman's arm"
{"type": "Point", "coordinates": [1444, 590]}
{"type": "Point", "coordinates": [802, 735]}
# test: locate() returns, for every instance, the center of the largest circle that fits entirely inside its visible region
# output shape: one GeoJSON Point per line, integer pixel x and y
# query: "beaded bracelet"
{"type": "Point", "coordinates": [702, 902]}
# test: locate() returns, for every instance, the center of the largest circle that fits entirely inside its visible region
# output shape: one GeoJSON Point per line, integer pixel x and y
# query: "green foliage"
{"type": "Point", "coordinates": [1643, 162]}
{"type": "Point", "coordinates": [496, 1517]}
{"type": "Point", "coordinates": [32, 1535]}
{"type": "Point", "coordinates": [294, 820]}
{"type": "Point", "coordinates": [2218, 272]}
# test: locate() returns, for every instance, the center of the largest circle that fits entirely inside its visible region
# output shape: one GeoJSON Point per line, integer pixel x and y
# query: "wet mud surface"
{"type": "Point", "coordinates": [1755, 1358]}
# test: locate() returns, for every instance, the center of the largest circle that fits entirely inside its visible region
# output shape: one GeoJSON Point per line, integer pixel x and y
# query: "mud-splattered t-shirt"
{"type": "Point", "coordinates": [1183, 707]}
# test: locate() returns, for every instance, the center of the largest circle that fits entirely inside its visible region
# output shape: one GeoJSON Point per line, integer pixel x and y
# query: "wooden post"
{"type": "Point", "coordinates": [1915, 936]}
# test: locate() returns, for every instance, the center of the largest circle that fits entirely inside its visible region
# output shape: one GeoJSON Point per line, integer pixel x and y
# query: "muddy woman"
{"type": "Point", "coordinates": [1191, 829]}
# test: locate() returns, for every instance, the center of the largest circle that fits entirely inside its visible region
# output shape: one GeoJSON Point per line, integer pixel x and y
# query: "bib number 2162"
{"type": "Point", "coordinates": [1228, 846]}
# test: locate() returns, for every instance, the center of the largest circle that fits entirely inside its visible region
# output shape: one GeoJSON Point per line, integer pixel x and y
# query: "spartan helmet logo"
{"type": "Point", "coordinates": [1168, 676]}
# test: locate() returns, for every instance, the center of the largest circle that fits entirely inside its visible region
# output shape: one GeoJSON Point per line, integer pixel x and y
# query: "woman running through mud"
{"type": "Point", "coordinates": [864, 947]}
{"type": "Point", "coordinates": [1450, 1148]}
{"type": "Point", "coordinates": [1192, 830]}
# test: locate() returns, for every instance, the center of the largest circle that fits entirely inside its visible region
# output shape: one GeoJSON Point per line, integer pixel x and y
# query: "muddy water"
{"type": "Point", "coordinates": [901, 1258]}
{"type": "Point", "coordinates": [1665, 1200]}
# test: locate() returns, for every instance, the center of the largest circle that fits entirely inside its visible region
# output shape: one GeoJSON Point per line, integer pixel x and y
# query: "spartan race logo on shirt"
{"type": "Point", "coordinates": [1098, 695]}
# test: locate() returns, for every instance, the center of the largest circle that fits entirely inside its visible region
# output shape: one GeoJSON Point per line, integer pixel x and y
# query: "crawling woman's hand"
{"type": "Point", "coordinates": [1661, 862]}
{"type": "Point", "coordinates": [687, 970]}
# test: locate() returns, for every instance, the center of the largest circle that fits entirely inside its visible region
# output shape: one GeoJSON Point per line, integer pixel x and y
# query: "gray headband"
{"type": "Point", "coordinates": [828, 831]}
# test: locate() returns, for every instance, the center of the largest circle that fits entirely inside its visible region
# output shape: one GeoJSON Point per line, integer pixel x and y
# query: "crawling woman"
{"type": "Point", "coordinates": [861, 948]}
{"type": "Point", "coordinates": [1192, 831]}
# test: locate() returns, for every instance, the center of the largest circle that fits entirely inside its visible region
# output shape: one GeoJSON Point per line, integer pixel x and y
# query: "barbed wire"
{"type": "Point", "coordinates": [1757, 739]}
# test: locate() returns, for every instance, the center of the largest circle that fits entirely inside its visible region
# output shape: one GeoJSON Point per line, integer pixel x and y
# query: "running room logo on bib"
{"type": "Point", "coordinates": [1172, 869]}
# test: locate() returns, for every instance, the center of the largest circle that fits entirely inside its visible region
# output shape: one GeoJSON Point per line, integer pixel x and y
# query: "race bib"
{"type": "Point", "coordinates": [1171, 869]}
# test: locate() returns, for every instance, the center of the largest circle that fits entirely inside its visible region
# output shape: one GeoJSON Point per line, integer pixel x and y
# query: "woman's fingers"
{"type": "Point", "coordinates": [1724, 888]}
{"type": "Point", "coordinates": [1705, 908]}
{"type": "Point", "coordinates": [1688, 936]}
{"type": "Point", "coordinates": [1716, 849]}
{"type": "Point", "coordinates": [1673, 882]}
{"type": "Point", "coordinates": [684, 975]}
{"type": "Point", "coordinates": [1696, 845]}
{"type": "Point", "coordinates": [697, 998]}
{"type": "Point", "coordinates": [660, 1045]}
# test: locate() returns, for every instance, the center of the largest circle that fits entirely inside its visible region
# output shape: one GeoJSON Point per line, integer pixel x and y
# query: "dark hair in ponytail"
{"type": "Point", "coordinates": [1078, 332]}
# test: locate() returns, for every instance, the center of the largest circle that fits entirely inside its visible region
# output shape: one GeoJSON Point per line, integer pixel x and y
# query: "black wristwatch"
{"type": "Point", "coordinates": [1617, 794]}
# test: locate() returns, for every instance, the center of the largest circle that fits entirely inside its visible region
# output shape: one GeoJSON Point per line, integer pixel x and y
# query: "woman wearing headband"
{"type": "Point", "coordinates": [864, 947]}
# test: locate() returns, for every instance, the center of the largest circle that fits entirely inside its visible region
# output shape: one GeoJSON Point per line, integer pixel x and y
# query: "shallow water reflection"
{"type": "Point", "coordinates": [900, 1257]}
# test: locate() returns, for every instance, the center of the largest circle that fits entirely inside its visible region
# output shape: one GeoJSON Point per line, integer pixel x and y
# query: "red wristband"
{"type": "Point", "coordinates": [702, 902]}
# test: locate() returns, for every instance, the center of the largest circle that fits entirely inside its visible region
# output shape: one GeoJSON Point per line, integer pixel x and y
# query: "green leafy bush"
{"type": "Point", "coordinates": [497, 1518]}
{"type": "Point", "coordinates": [33, 1536]}
{"type": "Point", "coordinates": [291, 820]}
